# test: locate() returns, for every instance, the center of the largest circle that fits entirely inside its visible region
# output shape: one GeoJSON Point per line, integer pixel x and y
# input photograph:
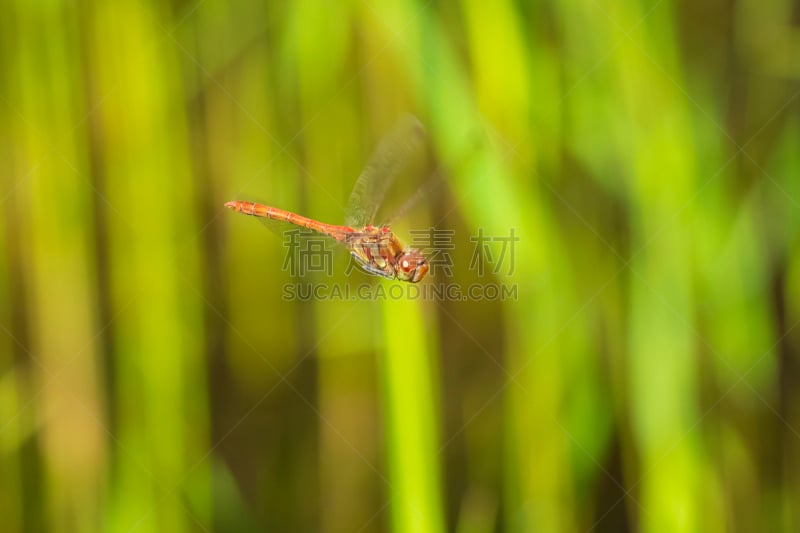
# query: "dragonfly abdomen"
{"type": "Point", "coordinates": [275, 213]}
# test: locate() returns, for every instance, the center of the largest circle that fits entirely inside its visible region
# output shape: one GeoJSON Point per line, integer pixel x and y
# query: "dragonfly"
{"type": "Point", "coordinates": [374, 248]}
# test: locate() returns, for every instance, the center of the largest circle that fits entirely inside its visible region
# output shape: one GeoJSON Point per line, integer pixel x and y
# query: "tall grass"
{"type": "Point", "coordinates": [153, 376]}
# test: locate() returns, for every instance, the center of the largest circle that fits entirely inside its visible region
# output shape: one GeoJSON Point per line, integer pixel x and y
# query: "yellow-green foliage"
{"type": "Point", "coordinates": [154, 378]}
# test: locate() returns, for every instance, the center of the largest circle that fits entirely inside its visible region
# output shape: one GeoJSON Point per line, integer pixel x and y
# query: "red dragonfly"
{"type": "Point", "coordinates": [376, 249]}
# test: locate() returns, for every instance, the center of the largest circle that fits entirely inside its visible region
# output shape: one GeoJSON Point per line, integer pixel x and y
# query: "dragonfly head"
{"type": "Point", "coordinates": [411, 266]}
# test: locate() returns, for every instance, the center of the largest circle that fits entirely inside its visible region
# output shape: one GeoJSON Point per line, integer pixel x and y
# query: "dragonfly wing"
{"type": "Point", "coordinates": [393, 151]}
{"type": "Point", "coordinates": [431, 188]}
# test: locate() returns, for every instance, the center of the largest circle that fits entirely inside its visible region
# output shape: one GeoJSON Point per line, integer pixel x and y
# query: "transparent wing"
{"type": "Point", "coordinates": [393, 151]}
{"type": "Point", "coordinates": [432, 188]}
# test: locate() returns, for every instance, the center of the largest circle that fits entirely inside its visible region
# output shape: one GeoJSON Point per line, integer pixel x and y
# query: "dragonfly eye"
{"type": "Point", "coordinates": [412, 266]}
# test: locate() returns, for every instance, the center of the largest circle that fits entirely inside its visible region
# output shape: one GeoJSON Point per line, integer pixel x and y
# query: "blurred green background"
{"type": "Point", "coordinates": [646, 153]}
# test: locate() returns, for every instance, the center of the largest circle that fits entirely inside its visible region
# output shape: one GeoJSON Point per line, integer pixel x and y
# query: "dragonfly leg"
{"type": "Point", "coordinates": [370, 269]}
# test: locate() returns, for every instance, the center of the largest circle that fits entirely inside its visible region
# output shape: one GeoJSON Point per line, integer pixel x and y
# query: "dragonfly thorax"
{"type": "Point", "coordinates": [378, 251]}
